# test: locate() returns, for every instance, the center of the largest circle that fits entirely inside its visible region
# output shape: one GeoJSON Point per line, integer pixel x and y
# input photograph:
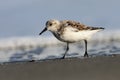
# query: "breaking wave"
{"type": "Point", "coordinates": [39, 47]}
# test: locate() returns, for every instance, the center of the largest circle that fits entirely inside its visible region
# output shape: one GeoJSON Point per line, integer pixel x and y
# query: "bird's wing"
{"type": "Point", "coordinates": [74, 24]}
{"type": "Point", "coordinates": [77, 25]}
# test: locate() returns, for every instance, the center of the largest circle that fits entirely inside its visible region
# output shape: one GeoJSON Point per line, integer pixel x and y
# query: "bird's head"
{"type": "Point", "coordinates": [51, 25]}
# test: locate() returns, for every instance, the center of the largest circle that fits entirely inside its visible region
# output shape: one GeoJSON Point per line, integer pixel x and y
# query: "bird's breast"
{"type": "Point", "coordinates": [58, 36]}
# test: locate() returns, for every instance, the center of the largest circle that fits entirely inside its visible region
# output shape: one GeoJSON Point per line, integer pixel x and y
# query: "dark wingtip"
{"type": "Point", "coordinates": [95, 28]}
{"type": "Point", "coordinates": [102, 28]}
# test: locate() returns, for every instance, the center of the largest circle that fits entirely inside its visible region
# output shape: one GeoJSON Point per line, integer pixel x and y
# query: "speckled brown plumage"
{"type": "Point", "coordinates": [77, 25]}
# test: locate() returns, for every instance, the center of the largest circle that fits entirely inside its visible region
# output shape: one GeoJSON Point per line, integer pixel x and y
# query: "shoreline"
{"type": "Point", "coordinates": [95, 68]}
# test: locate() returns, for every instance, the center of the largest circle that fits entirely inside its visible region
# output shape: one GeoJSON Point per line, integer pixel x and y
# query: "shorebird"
{"type": "Point", "coordinates": [70, 31]}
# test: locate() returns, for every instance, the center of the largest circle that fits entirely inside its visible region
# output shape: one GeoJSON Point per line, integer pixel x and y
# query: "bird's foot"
{"type": "Point", "coordinates": [32, 61]}
{"type": "Point", "coordinates": [86, 55]}
{"type": "Point", "coordinates": [63, 57]}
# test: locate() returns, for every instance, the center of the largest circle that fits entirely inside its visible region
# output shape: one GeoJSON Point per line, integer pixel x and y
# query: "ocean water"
{"type": "Point", "coordinates": [41, 47]}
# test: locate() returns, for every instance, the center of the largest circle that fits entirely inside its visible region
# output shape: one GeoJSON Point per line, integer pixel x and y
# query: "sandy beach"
{"type": "Point", "coordinates": [96, 68]}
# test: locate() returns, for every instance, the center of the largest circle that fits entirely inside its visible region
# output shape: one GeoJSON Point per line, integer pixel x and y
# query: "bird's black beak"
{"type": "Point", "coordinates": [43, 31]}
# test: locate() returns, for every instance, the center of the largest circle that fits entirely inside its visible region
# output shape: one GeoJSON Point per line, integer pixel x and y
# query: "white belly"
{"type": "Point", "coordinates": [72, 36]}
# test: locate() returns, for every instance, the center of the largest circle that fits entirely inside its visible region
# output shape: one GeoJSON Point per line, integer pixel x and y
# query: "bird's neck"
{"type": "Point", "coordinates": [57, 35]}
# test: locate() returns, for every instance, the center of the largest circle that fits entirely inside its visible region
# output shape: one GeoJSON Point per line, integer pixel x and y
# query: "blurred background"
{"type": "Point", "coordinates": [28, 17]}
{"type": "Point", "coordinates": [22, 20]}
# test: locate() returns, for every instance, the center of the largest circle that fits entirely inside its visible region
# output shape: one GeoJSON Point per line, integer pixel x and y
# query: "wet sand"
{"type": "Point", "coordinates": [96, 68]}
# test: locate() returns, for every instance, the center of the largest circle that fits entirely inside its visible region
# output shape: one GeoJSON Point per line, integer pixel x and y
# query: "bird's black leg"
{"type": "Point", "coordinates": [86, 54]}
{"type": "Point", "coordinates": [66, 50]}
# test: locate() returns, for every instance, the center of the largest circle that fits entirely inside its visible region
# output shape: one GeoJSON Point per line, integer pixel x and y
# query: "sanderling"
{"type": "Point", "coordinates": [70, 31]}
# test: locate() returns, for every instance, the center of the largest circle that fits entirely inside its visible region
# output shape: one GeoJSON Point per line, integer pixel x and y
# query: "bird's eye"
{"type": "Point", "coordinates": [50, 24]}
